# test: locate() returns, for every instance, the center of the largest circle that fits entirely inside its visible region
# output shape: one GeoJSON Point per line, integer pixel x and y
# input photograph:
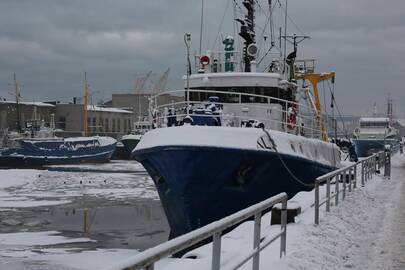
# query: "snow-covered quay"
{"type": "Point", "coordinates": [365, 231]}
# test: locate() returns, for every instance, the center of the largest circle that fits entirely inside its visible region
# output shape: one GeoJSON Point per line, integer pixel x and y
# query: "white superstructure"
{"type": "Point", "coordinates": [375, 128]}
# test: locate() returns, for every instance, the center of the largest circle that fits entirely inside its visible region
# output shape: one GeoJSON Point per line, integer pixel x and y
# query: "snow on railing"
{"type": "Point", "coordinates": [214, 230]}
{"type": "Point", "coordinates": [284, 115]}
{"type": "Point", "coordinates": [346, 179]}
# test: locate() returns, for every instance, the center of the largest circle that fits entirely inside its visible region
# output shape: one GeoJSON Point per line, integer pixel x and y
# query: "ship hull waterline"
{"type": "Point", "coordinates": [198, 185]}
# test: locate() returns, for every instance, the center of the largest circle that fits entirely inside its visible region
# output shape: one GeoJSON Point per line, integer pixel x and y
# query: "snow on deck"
{"type": "Point", "coordinates": [241, 138]}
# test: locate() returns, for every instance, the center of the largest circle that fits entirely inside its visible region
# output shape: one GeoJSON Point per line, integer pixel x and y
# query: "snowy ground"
{"type": "Point", "coordinates": [366, 231]}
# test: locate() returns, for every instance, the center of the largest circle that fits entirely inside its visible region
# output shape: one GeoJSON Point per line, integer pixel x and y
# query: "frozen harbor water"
{"type": "Point", "coordinates": [43, 215]}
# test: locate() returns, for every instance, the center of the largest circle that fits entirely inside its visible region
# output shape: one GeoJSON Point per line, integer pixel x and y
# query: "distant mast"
{"type": "Point", "coordinates": [389, 108]}
{"type": "Point", "coordinates": [85, 103]}
{"type": "Point", "coordinates": [17, 100]}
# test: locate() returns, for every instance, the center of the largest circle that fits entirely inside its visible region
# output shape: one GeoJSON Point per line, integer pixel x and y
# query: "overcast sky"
{"type": "Point", "coordinates": [50, 43]}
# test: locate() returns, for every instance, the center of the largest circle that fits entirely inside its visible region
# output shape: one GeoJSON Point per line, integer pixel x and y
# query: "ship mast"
{"type": "Point", "coordinates": [17, 100]}
{"type": "Point", "coordinates": [247, 32]}
{"type": "Point", "coordinates": [85, 103]}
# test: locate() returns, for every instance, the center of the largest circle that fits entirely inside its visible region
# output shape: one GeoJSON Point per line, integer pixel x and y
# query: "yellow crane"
{"type": "Point", "coordinates": [314, 79]}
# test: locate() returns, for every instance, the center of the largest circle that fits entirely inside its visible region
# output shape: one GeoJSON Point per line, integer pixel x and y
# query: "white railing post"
{"type": "Point", "coordinates": [256, 241]}
{"type": "Point", "coordinates": [328, 194]}
{"type": "Point", "coordinates": [344, 185]}
{"type": "Point", "coordinates": [283, 239]}
{"type": "Point", "coordinates": [316, 203]}
{"type": "Point", "coordinates": [216, 251]}
{"type": "Point", "coordinates": [337, 189]}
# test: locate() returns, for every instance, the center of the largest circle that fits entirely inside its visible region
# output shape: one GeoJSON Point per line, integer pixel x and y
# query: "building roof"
{"type": "Point", "coordinates": [39, 104]}
{"type": "Point", "coordinates": [102, 109]}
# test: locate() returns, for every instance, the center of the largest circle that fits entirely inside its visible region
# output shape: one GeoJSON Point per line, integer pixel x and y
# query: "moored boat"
{"type": "Point", "coordinates": [373, 134]}
{"type": "Point", "coordinates": [130, 141]}
{"type": "Point", "coordinates": [240, 136]}
{"type": "Point", "coordinates": [55, 151]}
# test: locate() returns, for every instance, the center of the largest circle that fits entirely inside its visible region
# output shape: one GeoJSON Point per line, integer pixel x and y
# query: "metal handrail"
{"type": "Point", "coordinates": [348, 176]}
{"type": "Point", "coordinates": [313, 130]}
{"type": "Point", "coordinates": [149, 257]}
{"type": "Point", "coordinates": [226, 93]}
{"type": "Point", "coordinates": [311, 121]}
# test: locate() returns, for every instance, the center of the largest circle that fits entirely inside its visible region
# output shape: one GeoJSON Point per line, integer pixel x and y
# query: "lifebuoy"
{"type": "Point", "coordinates": [292, 117]}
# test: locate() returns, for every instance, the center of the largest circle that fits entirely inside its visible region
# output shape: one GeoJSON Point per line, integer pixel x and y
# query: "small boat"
{"type": "Point", "coordinates": [56, 151]}
{"type": "Point", "coordinates": [130, 141]}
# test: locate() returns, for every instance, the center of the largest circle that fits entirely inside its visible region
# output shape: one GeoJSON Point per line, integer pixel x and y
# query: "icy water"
{"type": "Point", "coordinates": [55, 218]}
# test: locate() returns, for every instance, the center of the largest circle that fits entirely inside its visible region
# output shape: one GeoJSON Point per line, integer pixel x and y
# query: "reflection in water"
{"type": "Point", "coordinates": [140, 225]}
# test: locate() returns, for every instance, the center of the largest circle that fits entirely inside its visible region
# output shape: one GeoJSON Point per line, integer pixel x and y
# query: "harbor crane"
{"type": "Point", "coordinates": [314, 79]}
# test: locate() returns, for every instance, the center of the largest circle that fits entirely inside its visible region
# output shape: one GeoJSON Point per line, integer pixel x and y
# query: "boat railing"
{"type": "Point", "coordinates": [345, 179]}
{"type": "Point", "coordinates": [303, 66]}
{"type": "Point", "coordinates": [215, 230]}
{"type": "Point", "coordinates": [273, 113]}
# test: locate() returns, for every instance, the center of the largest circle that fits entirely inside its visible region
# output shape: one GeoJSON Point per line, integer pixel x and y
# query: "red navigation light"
{"type": "Point", "coordinates": [204, 60]}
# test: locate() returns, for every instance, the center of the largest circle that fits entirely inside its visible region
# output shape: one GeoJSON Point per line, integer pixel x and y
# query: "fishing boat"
{"type": "Point", "coordinates": [240, 136]}
{"type": "Point", "coordinates": [56, 151]}
{"type": "Point", "coordinates": [130, 141]}
{"type": "Point", "coordinates": [375, 133]}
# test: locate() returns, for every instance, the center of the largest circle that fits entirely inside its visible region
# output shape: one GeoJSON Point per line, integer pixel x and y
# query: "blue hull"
{"type": "Point", "coordinates": [198, 185]}
{"type": "Point", "coordinates": [367, 147]}
{"type": "Point", "coordinates": [55, 152]}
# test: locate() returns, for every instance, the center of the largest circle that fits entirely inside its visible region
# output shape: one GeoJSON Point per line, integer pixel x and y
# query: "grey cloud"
{"type": "Point", "coordinates": [49, 43]}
